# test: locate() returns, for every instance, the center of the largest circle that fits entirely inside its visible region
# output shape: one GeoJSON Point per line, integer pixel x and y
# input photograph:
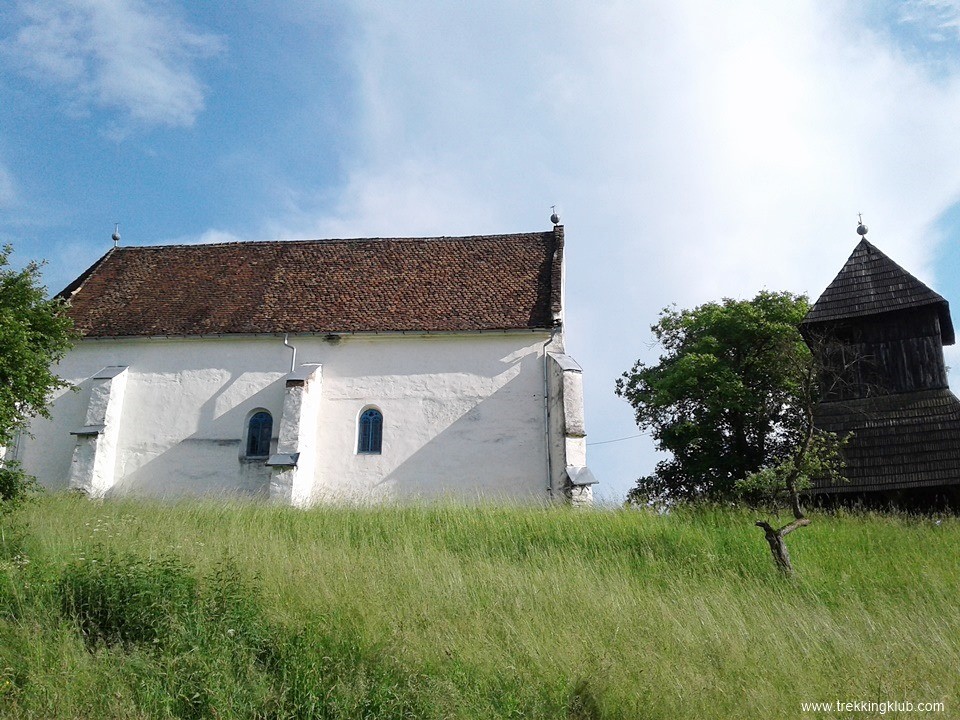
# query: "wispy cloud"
{"type": "Point", "coordinates": [415, 197]}
{"type": "Point", "coordinates": [130, 55]}
{"type": "Point", "coordinates": [208, 237]}
{"type": "Point", "coordinates": [940, 18]}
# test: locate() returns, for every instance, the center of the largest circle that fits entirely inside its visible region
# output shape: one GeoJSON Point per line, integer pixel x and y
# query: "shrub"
{"type": "Point", "coordinates": [15, 486]}
{"type": "Point", "coordinates": [126, 600]}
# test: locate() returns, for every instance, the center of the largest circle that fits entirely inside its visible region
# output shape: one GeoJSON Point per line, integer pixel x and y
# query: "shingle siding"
{"type": "Point", "coordinates": [898, 441]}
{"type": "Point", "coordinates": [490, 282]}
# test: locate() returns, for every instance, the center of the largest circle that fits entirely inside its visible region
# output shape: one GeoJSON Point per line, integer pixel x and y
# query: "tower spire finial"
{"type": "Point", "coordinates": [116, 234]}
{"type": "Point", "coordinates": [861, 228]}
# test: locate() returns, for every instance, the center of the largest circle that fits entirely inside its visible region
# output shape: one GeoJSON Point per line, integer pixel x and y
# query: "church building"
{"type": "Point", "coordinates": [364, 370]}
{"type": "Point", "coordinates": [879, 333]}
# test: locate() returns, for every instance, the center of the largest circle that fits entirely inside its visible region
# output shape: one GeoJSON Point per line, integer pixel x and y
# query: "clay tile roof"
{"type": "Point", "coordinates": [487, 282]}
{"type": "Point", "coordinates": [870, 283]}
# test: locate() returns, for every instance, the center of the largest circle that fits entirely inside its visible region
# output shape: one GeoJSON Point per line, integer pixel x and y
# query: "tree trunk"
{"type": "Point", "coordinates": [778, 548]}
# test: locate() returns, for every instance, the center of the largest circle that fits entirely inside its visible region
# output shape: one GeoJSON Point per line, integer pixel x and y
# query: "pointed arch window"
{"type": "Point", "coordinates": [370, 432]}
{"type": "Point", "coordinates": [259, 430]}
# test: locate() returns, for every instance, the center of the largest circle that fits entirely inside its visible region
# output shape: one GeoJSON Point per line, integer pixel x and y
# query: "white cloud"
{"type": "Point", "coordinates": [127, 54]}
{"type": "Point", "coordinates": [216, 236]}
{"type": "Point", "coordinates": [413, 197]}
{"type": "Point", "coordinates": [697, 150]}
{"type": "Point", "coordinates": [207, 237]}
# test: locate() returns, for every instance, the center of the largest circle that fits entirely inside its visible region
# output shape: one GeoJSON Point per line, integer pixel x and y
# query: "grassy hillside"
{"type": "Point", "coordinates": [133, 610]}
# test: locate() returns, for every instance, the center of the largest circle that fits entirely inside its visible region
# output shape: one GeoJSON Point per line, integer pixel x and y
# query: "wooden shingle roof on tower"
{"type": "Point", "coordinates": [870, 283]}
{"type": "Point", "coordinates": [888, 330]}
{"type": "Point", "coordinates": [442, 284]}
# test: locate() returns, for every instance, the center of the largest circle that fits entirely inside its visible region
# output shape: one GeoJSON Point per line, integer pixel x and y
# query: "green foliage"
{"type": "Point", "coordinates": [34, 334]}
{"type": "Point", "coordinates": [16, 487]}
{"type": "Point", "coordinates": [771, 485]}
{"type": "Point", "coordinates": [726, 397]}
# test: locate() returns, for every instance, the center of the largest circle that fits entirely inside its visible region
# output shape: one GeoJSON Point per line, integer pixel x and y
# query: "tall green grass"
{"type": "Point", "coordinates": [209, 610]}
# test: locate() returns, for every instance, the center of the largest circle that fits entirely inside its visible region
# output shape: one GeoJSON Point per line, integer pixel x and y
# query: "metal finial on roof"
{"type": "Point", "coordinates": [554, 218]}
{"type": "Point", "coordinates": [861, 228]}
{"type": "Point", "coordinates": [116, 235]}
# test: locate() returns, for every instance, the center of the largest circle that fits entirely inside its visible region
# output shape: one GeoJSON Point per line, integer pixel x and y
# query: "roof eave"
{"type": "Point", "coordinates": [324, 333]}
{"type": "Point", "coordinates": [947, 334]}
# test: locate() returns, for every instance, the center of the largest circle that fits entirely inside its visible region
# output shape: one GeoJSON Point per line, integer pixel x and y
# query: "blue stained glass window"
{"type": "Point", "coordinates": [371, 432]}
{"type": "Point", "coordinates": [258, 434]}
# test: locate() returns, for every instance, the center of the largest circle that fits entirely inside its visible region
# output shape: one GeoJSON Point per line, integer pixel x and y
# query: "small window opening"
{"type": "Point", "coordinates": [370, 432]}
{"type": "Point", "coordinates": [258, 435]}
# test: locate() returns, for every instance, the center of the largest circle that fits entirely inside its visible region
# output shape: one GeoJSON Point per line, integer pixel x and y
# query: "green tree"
{"type": "Point", "coordinates": [732, 401]}
{"type": "Point", "coordinates": [35, 333]}
{"type": "Point", "coordinates": [723, 399]}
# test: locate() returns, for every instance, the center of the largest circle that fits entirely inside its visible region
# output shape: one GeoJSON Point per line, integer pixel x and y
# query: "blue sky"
{"type": "Point", "coordinates": [694, 150]}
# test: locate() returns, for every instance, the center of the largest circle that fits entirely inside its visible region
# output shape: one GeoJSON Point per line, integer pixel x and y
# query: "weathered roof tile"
{"type": "Point", "coordinates": [488, 282]}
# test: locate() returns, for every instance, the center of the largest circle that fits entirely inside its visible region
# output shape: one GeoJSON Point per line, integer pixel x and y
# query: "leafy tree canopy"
{"type": "Point", "coordinates": [35, 333]}
{"type": "Point", "coordinates": [729, 396]}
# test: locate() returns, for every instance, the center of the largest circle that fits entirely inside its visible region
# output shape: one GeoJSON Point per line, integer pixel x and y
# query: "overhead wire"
{"type": "Point", "coordinates": [607, 442]}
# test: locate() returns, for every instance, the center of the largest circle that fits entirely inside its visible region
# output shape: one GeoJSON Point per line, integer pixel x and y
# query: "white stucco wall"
{"type": "Point", "coordinates": [463, 415]}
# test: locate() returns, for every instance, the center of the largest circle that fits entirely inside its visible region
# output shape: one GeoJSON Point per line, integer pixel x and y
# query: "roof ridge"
{"type": "Point", "coordinates": [311, 241]}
